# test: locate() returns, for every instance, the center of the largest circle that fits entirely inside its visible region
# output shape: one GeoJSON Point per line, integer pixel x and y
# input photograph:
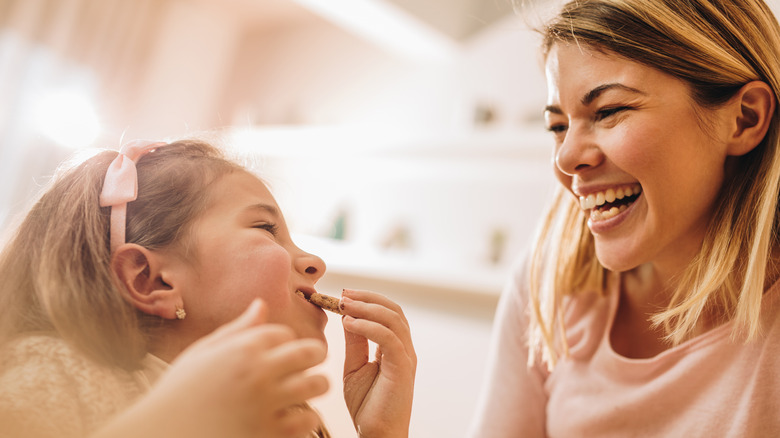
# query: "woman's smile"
{"type": "Point", "coordinates": [606, 204]}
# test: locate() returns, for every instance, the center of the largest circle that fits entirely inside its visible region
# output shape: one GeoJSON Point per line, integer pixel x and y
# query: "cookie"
{"type": "Point", "coordinates": [324, 301]}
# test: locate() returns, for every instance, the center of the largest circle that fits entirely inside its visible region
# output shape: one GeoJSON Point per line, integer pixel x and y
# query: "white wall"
{"type": "Point", "coordinates": [187, 71]}
{"type": "Point", "coordinates": [322, 74]}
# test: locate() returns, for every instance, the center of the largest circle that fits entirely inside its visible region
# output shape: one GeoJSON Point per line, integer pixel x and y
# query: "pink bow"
{"type": "Point", "coordinates": [121, 186]}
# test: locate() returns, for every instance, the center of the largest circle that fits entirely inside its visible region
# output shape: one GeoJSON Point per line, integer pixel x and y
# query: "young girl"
{"type": "Point", "coordinates": [172, 254]}
{"type": "Point", "coordinates": [650, 303]}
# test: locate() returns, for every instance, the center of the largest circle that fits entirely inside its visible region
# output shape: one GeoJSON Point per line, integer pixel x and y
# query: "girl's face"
{"type": "Point", "coordinates": [242, 251]}
{"type": "Point", "coordinates": [630, 145]}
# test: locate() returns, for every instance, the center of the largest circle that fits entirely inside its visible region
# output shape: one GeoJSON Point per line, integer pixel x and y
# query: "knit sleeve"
{"type": "Point", "coordinates": [49, 390]}
{"type": "Point", "coordinates": [37, 397]}
{"type": "Point", "coordinates": [513, 400]}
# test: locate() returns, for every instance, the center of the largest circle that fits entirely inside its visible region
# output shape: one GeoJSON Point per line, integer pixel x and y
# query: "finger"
{"type": "Point", "coordinates": [375, 312]}
{"type": "Point", "coordinates": [376, 298]}
{"type": "Point", "coordinates": [298, 388]}
{"type": "Point", "coordinates": [255, 314]}
{"type": "Point", "coordinates": [355, 351]}
{"type": "Point", "coordinates": [258, 340]}
{"type": "Point", "coordinates": [393, 349]}
{"type": "Point", "coordinates": [294, 356]}
{"type": "Point", "coordinates": [382, 315]}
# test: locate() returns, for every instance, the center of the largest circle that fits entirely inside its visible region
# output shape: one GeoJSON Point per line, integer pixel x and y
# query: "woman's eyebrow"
{"type": "Point", "coordinates": [593, 94]}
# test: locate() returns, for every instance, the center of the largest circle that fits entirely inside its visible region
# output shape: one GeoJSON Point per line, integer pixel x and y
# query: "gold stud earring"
{"type": "Point", "coordinates": [180, 313]}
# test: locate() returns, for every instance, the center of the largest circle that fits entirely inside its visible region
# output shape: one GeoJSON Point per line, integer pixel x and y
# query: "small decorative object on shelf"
{"type": "Point", "coordinates": [498, 240]}
{"type": "Point", "coordinates": [484, 115]}
{"type": "Point", "coordinates": [397, 238]}
{"type": "Point", "coordinates": [338, 230]}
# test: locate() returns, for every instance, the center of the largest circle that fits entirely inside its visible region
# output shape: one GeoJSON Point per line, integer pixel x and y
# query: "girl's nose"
{"type": "Point", "coordinates": [310, 265]}
{"type": "Point", "coordinates": [577, 153]}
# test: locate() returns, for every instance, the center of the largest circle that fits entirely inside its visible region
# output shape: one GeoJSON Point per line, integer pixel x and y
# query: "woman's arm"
{"type": "Point", "coordinates": [513, 401]}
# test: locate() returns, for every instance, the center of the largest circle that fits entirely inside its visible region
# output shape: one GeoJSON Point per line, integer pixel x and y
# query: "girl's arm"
{"type": "Point", "coordinates": [379, 392]}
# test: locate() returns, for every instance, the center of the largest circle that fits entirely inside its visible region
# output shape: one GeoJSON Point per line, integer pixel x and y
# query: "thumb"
{"type": "Point", "coordinates": [356, 351]}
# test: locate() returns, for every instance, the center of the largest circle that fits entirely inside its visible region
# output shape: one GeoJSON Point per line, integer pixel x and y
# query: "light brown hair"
{"type": "Point", "coordinates": [55, 270]}
{"type": "Point", "coordinates": [715, 47]}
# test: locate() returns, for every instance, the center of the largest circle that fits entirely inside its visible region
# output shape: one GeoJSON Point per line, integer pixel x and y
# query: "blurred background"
{"type": "Point", "coordinates": [403, 140]}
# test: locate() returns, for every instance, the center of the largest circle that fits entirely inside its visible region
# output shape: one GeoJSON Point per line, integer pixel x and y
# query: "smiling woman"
{"type": "Point", "coordinates": [649, 304]}
{"type": "Point", "coordinates": [640, 135]}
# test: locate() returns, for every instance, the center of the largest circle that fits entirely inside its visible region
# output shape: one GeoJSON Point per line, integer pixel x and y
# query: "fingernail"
{"type": "Point", "coordinates": [344, 301]}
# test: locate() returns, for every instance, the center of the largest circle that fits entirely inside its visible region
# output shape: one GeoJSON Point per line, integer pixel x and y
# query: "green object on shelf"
{"type": "Point", "coordinates": [338, 228]}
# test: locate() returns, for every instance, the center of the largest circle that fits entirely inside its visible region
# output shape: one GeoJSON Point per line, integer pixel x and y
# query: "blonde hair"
{"type": "Point", "coordinates": [716, 47]}
{"type": "Point", "coordinates": [55, 269]}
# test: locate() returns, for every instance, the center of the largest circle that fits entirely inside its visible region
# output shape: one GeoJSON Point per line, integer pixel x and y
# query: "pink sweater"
{"type": "Point", "coordinates": [708, 386]}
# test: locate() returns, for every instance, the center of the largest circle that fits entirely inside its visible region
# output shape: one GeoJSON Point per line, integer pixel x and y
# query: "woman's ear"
{"type": "Point", "coordinates": [754, 106]}
{"type": "Point", "coordinates": [141, 279]}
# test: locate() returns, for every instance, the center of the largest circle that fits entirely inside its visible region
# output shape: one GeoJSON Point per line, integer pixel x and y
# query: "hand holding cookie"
{"type": "Point", "coordinates": [379, 392]}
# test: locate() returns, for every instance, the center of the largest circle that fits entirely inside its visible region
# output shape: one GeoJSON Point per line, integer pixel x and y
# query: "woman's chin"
{"type": "Point", "coordinates": [615, 262]}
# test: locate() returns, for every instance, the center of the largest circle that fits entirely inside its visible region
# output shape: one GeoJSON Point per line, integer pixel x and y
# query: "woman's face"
{"type": "Point", "coordinates": [625, 130]}
{"type": "Point", "coordinates": [242, 251]}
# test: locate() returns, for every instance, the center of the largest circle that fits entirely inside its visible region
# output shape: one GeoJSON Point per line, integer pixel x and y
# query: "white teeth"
{"type": "Point", "coordinates": [599, 215]}
{"type": "Point", "coordinates": [612, 212]}
{"type": "Point", "coordinates": [590, 201]}
{"type": "Point", "coordinates": [609, 196]}
{"type": "Point", "coordinates": [594, 200]}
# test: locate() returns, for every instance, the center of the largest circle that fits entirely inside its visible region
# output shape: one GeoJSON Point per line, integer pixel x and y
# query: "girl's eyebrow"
{"type": "Point", "coordinates": [263, 207]}
{"type": "Point", "coordinates": [593, 94]}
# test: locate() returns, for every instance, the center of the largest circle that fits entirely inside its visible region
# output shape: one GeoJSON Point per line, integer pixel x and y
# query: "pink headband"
{"type": "Point", "coordinates": [121, 186]}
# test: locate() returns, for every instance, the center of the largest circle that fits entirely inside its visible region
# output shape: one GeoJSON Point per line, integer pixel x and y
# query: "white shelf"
{"type": "Point", "coordinates": [352, 260]}
{"type": "Point", "coordinates": [307, 141]}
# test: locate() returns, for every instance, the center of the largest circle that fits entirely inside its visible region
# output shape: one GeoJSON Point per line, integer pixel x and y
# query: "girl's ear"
{"type": "Point", "coordinates": [754, 106]}
{"type": "Point", "coordinates": [141, 279]}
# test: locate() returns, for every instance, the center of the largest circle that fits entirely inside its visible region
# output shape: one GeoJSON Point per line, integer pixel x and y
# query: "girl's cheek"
{"type": "Point", "coordinates": [273, 274]}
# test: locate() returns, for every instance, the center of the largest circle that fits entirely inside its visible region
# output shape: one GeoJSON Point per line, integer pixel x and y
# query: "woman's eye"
{"type": "Point", "coordinates": [271, 228]}
{"type": "Point", "coordinates": [557, 129]}
{"type": "Point", "coordinates": [607, 112]}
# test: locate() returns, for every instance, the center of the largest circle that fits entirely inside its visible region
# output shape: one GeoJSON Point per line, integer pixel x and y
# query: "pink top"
{"type": "Point", "coordinates": [708, 386]}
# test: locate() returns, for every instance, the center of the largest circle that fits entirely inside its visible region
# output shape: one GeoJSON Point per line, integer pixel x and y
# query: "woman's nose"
{"type": "Point", "coordinates": [310, 265]}
{"type": "Point", "coordinates": [577, 153]}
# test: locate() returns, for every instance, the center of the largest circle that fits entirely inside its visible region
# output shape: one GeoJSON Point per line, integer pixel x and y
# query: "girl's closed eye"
{"type": "Point", "coordinates": [268, 226]}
